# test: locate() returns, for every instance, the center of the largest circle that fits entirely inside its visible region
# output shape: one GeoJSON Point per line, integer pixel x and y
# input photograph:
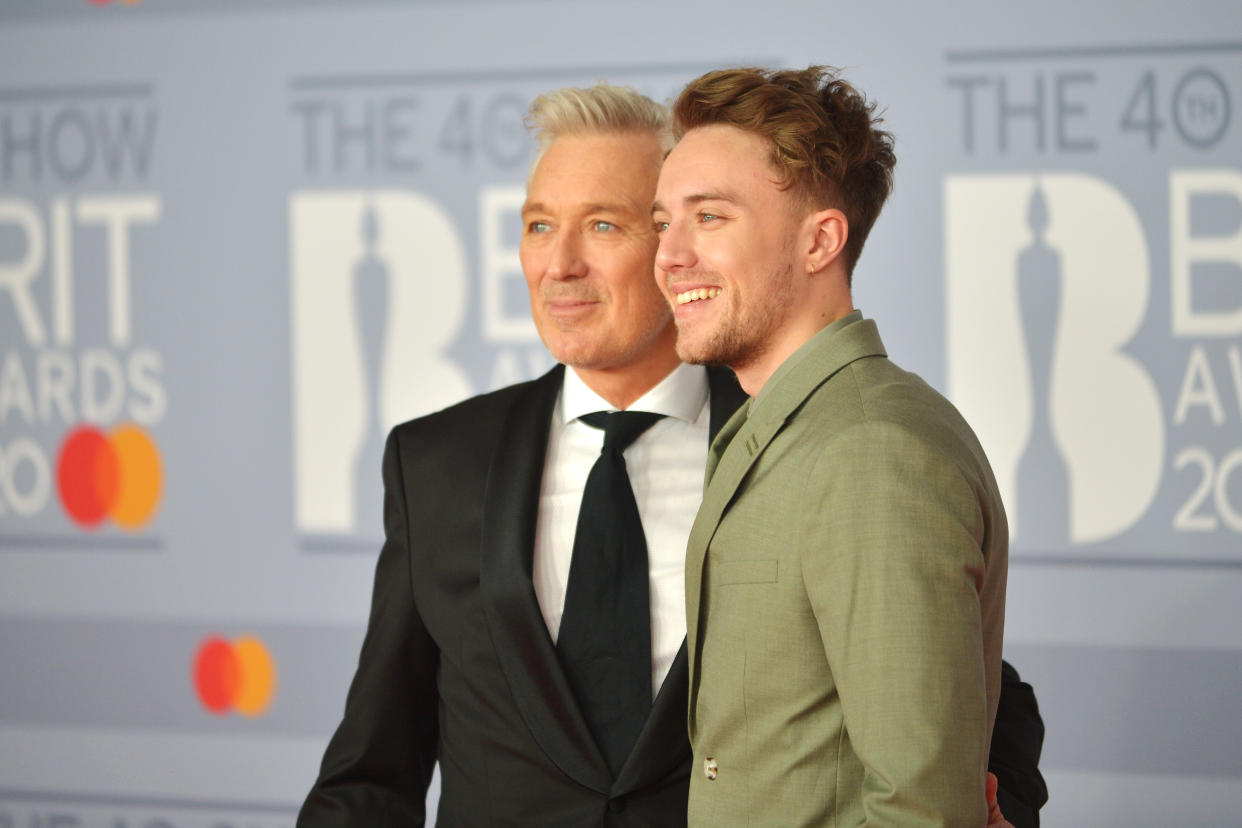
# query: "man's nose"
{"type": "Point", "coordinates": [675, 251]}
{"type": "Point", "coordinates": [567, 260]}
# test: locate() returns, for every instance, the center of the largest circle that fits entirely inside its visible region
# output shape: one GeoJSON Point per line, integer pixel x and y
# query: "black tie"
{"type": "Point", "coordinates": [604, 641]}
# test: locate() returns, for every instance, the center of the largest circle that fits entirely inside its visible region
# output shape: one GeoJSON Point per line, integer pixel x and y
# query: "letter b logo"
{"type": "Point", "coordinates": [1048, 280]}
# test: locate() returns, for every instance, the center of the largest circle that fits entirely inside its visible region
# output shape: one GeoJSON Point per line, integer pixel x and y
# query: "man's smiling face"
{"type": "Point", "coordinates": [726, 253]}
{"type": "Point", "coordinates": [587, 252]}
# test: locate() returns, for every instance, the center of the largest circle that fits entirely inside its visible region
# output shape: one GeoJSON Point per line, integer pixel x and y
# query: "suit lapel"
{"type": "Point", "coordinates": [744, 438]}
{"type": "Point", "coordinates": [733, 452]}
{"type": "Point", "coordinates": [727, 417]}
{"type": "Point", "coordinates": [661, 746]}
{"type": "Point", "coordinates": [523, 646]}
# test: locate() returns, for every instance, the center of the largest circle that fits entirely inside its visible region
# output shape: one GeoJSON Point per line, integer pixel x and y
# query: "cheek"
{"type": "Point", "coordinates": [734, 250]}
{"type": "Point", "coordinates": [532, 268]}
{"type": "Point", "coordinates": [643, 280]}
{"type": "Point", "coordinates": [718, 259]}
{"type": "Point", "coordinates": [647, 298]}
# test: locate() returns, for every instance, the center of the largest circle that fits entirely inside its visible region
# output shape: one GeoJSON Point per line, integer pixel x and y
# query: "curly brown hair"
{"type": "Point", "coordinates": [825, 139]}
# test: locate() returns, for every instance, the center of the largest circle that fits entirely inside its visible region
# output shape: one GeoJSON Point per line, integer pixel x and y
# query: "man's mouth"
{"type": "Point", "coordinates": [568, 302]}
{"type": "Point", "coordinates": [696, 295]}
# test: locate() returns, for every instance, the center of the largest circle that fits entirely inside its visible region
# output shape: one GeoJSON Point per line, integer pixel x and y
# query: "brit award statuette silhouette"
{"type": "Point", "coordinates": [1043, 478]}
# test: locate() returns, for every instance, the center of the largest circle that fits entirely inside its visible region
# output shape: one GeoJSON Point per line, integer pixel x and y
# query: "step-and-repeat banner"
{"type": "Point", "coordinates": [240, 240]}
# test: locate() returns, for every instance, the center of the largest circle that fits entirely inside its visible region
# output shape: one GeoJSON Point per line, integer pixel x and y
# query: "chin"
{"type": "Point", "coordinates": [594, 359]}
{"type": "Point", "coordinates": [695, 355]}
{"type": "Point", "coordinates": [572, 349]}
{"type": "Point", "coordinates": [719, 349]}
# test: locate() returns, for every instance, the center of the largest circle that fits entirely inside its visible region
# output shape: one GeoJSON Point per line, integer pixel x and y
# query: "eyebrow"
{"type": "Point", "coordinates": [698, 198]}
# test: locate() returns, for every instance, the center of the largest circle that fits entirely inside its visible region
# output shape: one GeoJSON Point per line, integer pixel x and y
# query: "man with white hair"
{"type": "Point", "coordinates": [528, 621]}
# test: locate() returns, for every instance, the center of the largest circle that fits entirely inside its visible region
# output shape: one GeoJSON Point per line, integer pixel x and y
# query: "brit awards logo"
{"type": "Point", "coordinates": [1093, 270]}
{"type": "Point", "coordinates": [81, 387]}
{"type": "Point", "coordinates": [1049, 303]}
{"type": "Point", "coordinates": [1048, 282]}
{"type": "Point", "coordinates": [378, 294]}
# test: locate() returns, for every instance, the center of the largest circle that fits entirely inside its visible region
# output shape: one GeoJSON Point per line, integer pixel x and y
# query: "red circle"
{"type": "Point", "coordinates": [217, 675]}
{"type": "Point", "coordinates": [88, 475]}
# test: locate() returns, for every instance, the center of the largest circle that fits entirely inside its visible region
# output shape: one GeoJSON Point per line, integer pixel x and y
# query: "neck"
{"type": "Point", "coordinates": [622, 385]}
{"type": "Point", "coordinates": [754, 373]}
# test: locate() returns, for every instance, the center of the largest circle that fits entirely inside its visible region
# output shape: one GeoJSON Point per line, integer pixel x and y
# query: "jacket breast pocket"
{"type": "Point", "coordinates": [746, 572]}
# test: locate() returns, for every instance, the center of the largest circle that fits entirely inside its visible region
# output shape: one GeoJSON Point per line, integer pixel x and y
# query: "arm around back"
{"type": "Point", "coordinates": [1017, 739]}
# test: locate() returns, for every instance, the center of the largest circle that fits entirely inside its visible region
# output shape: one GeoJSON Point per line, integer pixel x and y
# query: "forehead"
{"type": "Point", "coordinates": [717, 159]}
{"type": "Point", "coordinates": [615, 168]}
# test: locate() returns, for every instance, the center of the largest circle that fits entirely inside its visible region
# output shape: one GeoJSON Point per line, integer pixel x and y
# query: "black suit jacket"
{"type": "Point", "coordinates": [457, 664]}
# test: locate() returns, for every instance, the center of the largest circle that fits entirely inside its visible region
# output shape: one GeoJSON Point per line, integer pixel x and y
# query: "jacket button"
{"type": "Point", "coordinates": [709, 768]}
{"type": "Point", "coordinates": [617, 805]}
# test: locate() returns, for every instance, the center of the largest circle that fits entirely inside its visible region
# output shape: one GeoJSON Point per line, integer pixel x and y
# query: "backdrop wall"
{"type": "Point", "coordinates": [240, 240]}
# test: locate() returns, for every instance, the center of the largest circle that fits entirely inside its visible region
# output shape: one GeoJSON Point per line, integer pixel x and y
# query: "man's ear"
{"type": "Point", "coordinates": [829, 230]}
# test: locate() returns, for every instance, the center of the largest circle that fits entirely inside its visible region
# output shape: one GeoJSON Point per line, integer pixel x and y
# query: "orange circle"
{"type": "Point", "coordinates": [141, 476]}
{"type": "Point", "coordinates": [258, 682]}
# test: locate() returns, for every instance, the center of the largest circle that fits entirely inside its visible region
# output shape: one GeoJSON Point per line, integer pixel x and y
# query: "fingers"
{"type": "Point", "coordinates": [995, 818]}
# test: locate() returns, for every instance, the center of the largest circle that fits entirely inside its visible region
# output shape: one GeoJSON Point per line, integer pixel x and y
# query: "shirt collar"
{"type": "Point", "coordinates": [681, 395]}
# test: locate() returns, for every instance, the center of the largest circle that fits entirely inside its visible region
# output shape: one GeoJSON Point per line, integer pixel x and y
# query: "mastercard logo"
{"type": "Point", "coordinates": [237, 675]}
{"type": "Point", "coordinates": [117, 475]}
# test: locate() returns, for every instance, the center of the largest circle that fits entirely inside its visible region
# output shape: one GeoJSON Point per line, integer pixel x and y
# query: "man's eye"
{"type": "Point", "coordinates": [706, 217]}
{"type": "Point", "coordinates": [538, 227]}
{"type": "Point", "coordinates": [604, 226]}
{"type": "Point", "coordinates": [661, 226]}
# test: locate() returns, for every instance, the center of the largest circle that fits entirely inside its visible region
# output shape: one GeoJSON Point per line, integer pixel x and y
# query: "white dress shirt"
{"type": "Point", "coordinates": [665, 465]}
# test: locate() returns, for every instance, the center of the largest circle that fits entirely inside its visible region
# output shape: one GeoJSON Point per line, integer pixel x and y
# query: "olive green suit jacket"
{"type": "Point", "coordinates": [845, 593]}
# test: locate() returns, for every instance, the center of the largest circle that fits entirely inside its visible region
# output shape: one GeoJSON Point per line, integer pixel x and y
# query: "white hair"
{"type": "Point", "coordinates": [599, 109]}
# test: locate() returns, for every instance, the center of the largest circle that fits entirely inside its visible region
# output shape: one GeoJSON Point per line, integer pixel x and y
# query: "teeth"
{"type": "Point", "coordinates": [697, 294]}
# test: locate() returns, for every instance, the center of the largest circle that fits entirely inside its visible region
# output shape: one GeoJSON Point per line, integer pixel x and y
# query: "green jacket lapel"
{"type": "Point", "coordinates": [743, 439]}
